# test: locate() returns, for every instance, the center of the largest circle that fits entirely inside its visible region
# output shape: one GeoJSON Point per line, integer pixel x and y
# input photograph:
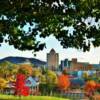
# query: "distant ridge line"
{"type": "Point", "coordinates": [18, 60]}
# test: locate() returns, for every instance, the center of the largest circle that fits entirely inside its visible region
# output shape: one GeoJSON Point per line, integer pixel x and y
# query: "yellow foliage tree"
{"type": "Point", "coordinates": [85, 75]}
{"type": "Point", "coordinates": [36, 72]}
{"type": "Point", "coordinates": [3, 83]}
{"type": "Point", "coordinates": [51, 80]}
{"type": "Point", "coordinates": [43, 79]}
{"type": "Point", "coordinates": [51, 77]}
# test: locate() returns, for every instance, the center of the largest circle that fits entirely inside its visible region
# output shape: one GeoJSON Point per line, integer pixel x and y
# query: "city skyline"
{"type": "Point", "coordinates": [93, 56]}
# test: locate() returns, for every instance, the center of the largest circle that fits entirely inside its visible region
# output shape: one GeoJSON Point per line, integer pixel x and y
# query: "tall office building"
{"type": "Point", "coordinates": [52, 60]}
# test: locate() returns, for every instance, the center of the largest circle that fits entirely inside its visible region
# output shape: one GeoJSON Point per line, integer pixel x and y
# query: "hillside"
{"type": "Point", "coordinates": [18, 60]}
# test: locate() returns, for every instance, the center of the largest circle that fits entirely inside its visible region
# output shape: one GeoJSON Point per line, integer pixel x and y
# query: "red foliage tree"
{"type": "Point", "coordinates": [20, 88]}
{"type": "Point", "coordinates": [98, 86]}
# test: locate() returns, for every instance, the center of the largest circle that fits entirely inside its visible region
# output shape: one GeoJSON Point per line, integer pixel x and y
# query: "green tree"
{"type": "Point", "coordinates": [8, 69]}
{"type": "Point", "coordinates": [51, 80]}
{"type": "Point", "coordinates": [51, 77]}
{"type": "Point", "coordinates": [13, 69]}
{"type": "Point", "coordinates": [43, 79]}
{"type": "Point", "coordinates": [46, 17]}
{"type": "Point", "coordinates": [4, 69]}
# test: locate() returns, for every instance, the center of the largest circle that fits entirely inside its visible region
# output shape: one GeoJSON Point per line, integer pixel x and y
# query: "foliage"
{"type": "Point", "coordinates": [91, 83]}
{"type": "Point", "coordinates": [90, 87]}
{"type": "Point", "coordinates": [42, 79]}
{"type": "Point", "coordinates": [51, 77]}
{"type": "Point", "coordinates": [51, 81]}
{"type": "Point", "coordinates": [20, 88]}
{"type": "Point", "coordinates": [25, 69]}
{"type": "Point", "coordinates": [63, 82]}
{"type": "Point", "coordinates": [46, 17]}
{"type": "Point", "coordinates": [8, 69]}
{"type": "Point", "coordinates": [85, 75]}
{"type": "Point", "coordinates": [36, 72]}
{"type": "Point", "coordinates": [48, 82]}
{"type": "Point", "coordinates": [3, 83]}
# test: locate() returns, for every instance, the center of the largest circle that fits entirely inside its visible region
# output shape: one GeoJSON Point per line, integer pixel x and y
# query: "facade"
{"type": "Point", "coordinates": [65, 64]}
{"type": "Point", "coordinates": [98, 73]}
{"type": "Point", "coordinates": [74, 65]}
{"type": "Point", "coordinates": [52, 60]}
{"type": "Point", "coordinates": [80, 66]}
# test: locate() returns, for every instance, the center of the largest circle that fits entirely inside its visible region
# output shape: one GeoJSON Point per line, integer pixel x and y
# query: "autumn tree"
{"type": "Point", "coordinates": [63, 81]}
{"type": "Point", "coordinates": [25, 69]}
{"type": "Point", "coordinates": [36, 72]}
{"type": "Point", "coordinates": [48, 82]}
{"type": "Point", "coordinates": [3, 84]}
{"type": "Point", "coordinates": [20, 87]}
{"type": "Point", "coordinates": [90, 88]}
{"type": "Point", "coordinates": [8, 69]}
{"type": "Point", "coordinates": [75, 23]}
{"type": "Point", "coordinates": [51, 81]}
{"type": "Point", "coordinates": [85, 75]}
{"type": "Point", "coordinates": [51, 77]}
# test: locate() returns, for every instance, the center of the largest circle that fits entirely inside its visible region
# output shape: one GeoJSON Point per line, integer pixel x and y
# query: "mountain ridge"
{"type": "Point", "coordinates": [18, 60]}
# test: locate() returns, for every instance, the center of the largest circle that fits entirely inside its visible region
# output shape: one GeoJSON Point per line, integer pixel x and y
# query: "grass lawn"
{"type": "Point", "coordinates": [11, 97]}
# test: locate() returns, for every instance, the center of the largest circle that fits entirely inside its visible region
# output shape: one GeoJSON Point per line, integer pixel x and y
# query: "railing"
{"type": "Point", "coordinates": [74, 95]}
{"type": "Point", "coordinates": [96, 97]}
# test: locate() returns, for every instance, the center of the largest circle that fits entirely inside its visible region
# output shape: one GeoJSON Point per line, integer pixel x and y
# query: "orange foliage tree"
{"type": "Point", "coordinates": [90, 87]}
{"type": "Point", "coordinates": [63, 81]}
{"type": "Point", "coordinates": [25, 69]}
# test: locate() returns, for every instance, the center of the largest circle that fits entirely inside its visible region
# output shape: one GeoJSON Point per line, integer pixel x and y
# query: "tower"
{"type": "Point", "coordinates": [52, 60]}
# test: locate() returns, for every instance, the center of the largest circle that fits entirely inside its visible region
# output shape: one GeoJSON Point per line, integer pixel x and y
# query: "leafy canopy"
{"type": "Point", "coordinates": [46, 17]}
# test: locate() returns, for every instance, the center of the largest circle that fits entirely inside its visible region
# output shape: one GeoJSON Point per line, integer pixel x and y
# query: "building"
{"type": "Point", "coordinates": [98, 73]}
{"type": "Point", "coordinates": [65, 64]}
{"type": "Point", "coordinates": [52, 60]}
{"type": "Point", "coordinates": [74, 65]}
{"type": "Point", "coordinates": [97, 69]}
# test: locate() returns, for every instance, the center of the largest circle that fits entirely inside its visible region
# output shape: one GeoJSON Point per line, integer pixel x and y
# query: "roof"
{"type": "Point", "coordinates": [31, 82]}
{"type": "Point", "coordinates": [96, 65]}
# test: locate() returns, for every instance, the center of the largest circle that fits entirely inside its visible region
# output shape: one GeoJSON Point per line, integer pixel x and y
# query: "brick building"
{"type": "Point", "coordinates": [80, 66]}
{"type": "Point", "coordinates": [74, 65]}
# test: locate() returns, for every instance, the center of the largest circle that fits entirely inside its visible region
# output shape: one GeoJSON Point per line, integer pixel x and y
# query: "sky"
{"type": "Point", "coordinates": [93, 56]}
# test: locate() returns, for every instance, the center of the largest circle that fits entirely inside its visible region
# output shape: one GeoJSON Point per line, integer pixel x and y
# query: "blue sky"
{"type": "Point", "coordinates": [93, 56]}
